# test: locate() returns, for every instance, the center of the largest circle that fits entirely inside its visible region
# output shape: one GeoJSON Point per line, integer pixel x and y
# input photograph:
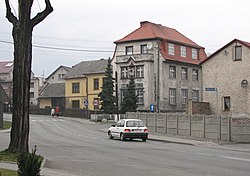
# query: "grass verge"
{"type": "Point", "coordinates": [6, 125]}
{"type": "Point", "coordinates": [7, 156]}
{"type": "Point", "coordinates": [6, 172]}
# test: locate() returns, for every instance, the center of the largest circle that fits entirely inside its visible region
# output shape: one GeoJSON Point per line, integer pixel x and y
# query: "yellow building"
{"type": "Point", "coordinates": [83, 84]}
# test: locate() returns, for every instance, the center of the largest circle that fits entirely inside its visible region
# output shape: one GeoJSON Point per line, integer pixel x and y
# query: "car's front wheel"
{"type": "Point", "coordinates": [110, 135]}
{"type": "Point", "coordinates": [144, 139]}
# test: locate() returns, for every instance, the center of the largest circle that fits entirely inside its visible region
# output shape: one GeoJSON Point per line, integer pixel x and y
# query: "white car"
{"type": "Point", "coordinates": [128, 129]}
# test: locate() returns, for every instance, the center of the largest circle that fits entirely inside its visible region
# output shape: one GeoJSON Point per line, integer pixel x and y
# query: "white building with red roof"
{"type": "Point", "coordinates": [226, 79]}
{"type": "Point", "coordinates": [164, 63]}
{"type": "Point", "coordinates": [6, 81]}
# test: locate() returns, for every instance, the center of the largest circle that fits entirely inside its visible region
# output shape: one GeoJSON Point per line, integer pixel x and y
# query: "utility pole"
{"type": "Point", "coordinates": [158, 77]}
{"type": "Point", "coordinates": [1, 107]}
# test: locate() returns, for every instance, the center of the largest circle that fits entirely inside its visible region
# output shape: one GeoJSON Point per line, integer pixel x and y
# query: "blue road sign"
{"type": "Point", "coordinates": [86, 103]}
{"type": "Point", "coordinates": [211, 89]}
{"type": "Point", "coordinates": [152, 108]}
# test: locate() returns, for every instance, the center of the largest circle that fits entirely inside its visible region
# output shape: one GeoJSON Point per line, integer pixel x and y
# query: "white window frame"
{"type": "Point", "coordinates": [195, 95]}
{"type": "Point", "coordinates": [227, 103]}
{"type": "Point", "coordinates": [183, 51]}
{"type": "Point", "coordinates": [238, 53]}
{"type": "Point", "coordinates": [139, 71]}
{"type": "Point", "coordinates": [184, 96]}
{"type": "Point", "coordinates": [195, 75]}
{"type": "Point", "coordinates": [172, 72]}
{"type": "Point", "coordinates": [194, 53]}
{"type": "Point", "coordinates": [129, 50]}
{"type": "Point", "coordinates": [124, 72]}
{"type": "Point", "coordinates": [172, 96]}
{"type": "Point", "coordinates": [139, 95]}
{"type": "Point", "coordinates": [171, 49]}
{"type": "Point", "coordinates": [144, 49]}
{"type": "Point", "coordinates": [184, 73]}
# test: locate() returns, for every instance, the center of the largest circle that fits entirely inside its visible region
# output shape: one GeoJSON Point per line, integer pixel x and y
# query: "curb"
{"type": "Point", "coordinates": [5, 131]}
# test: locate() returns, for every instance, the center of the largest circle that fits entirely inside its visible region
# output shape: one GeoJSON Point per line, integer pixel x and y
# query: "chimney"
{"type": "Point", "coordinates": [143, 23]}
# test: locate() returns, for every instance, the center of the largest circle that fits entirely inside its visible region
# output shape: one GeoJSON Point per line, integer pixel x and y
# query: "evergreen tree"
{"type": "Point", "coordinates": [108, 100]}
{"type": "Point", "coordinates": [130, 99]}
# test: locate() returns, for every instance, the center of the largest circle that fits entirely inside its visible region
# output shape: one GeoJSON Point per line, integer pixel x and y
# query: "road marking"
{"type": "Point", "coordinates": [205, 154]}
{"type": "Point", "coordinates": [48, 120]}
{"type": "Point", "coordinates": [235, 158]}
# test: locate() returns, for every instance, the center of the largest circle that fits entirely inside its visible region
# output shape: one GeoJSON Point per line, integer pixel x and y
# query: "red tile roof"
{"type": "Point", "coordinates": [151, 31]}
{"type": "Point", "coordinates": [6, 67]}
{"type": "Point", "coordinates": [247, 44]}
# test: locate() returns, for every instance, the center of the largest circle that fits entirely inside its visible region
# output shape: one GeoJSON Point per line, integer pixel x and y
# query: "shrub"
{"type": "Point", "coordinates": [29, 164]}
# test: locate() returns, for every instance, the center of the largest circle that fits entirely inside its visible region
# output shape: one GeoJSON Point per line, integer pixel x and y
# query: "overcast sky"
{"type": "Point", "coordinates": [95, 24]}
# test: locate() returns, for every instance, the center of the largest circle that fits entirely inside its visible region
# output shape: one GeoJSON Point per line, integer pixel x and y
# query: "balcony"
{"type": "Point", "coordinates": [135, 57]}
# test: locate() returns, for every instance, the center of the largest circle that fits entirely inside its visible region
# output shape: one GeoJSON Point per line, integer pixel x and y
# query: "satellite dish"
{"type": "Point", "coordinates": [149, 45]}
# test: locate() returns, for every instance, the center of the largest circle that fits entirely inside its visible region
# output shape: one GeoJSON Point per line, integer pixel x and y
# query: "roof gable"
{"type": "Point", "coordinates": [247, 44]}
{"type": "Point", "coordinates": [64, 67]}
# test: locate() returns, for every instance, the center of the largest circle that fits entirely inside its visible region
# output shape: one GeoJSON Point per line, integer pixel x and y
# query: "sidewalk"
{"type": "Point", "coordinates": [44, 171]}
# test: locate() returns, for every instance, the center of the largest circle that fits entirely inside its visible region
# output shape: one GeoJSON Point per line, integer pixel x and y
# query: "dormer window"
{"type": "Point", "coordinates": [171, 49]}
{"type": "Point", "coordinates": [194, 53]}
{"type": "Point", "coordinates": [238, 53]}
{"type": "Point", "coordinates": [183, 51]}
{"type": "Point", "coordinates": [129, 50]}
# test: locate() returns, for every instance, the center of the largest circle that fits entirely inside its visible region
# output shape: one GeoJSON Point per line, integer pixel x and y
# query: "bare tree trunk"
{"type": "Point", "coordinates": [22, 35]}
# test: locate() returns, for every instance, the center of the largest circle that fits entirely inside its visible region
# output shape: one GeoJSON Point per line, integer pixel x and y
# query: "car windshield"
{"type": "Point", "coordinates": [134, 124]}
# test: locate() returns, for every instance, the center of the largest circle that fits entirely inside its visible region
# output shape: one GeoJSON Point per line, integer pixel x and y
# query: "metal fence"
{"type": "Point", "coordinates": [225, 128]}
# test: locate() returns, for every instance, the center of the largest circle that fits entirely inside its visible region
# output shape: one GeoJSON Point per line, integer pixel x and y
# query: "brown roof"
{"type": "Point", "coordinates": [247, 44]}
{"type": "Point", "coordinates": [6, 66]}
{"type": "Point", "coordinates": [150, 30]}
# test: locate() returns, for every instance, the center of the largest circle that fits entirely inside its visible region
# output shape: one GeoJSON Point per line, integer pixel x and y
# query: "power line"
{"type": "Point", "coordinates": [65, 49]}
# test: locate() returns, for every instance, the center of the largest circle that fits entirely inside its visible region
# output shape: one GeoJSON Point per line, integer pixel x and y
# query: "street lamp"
{"type": "Point", "coordinates": [157, 75]}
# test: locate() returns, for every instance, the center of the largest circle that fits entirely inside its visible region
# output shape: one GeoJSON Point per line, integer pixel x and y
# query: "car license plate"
{"type": "Point", "coordinates": [137, 130]}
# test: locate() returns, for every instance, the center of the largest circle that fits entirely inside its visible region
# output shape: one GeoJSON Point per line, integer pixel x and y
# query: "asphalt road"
{"type": "Point", "coordinates": [85, 150]}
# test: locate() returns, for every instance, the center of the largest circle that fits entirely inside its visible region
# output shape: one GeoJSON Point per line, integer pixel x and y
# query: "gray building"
{"type": "Point", "coordinates": [226, 79]}
{"type": "Point", "coordinates": [164, 63]}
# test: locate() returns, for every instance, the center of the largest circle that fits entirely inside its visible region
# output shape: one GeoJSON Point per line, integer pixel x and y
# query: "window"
{"type": "Point", "coordinates": [139, 72]}
{"type": "Point", "coordinates": [32, 95]}
{"type": "Point", "coordinates": [184, 73]}
{"type": "Point", "coordinates": [75, 88]}
{"type": "Point", "coordinates": [195, 95]}
{"type": "Point", "coordinates": [195, 75]}
{"type": "Point", "coordinates": [184, 96]}
{"type": "Point", "coordinates": [140, 96]}
{"type": "Point", "coordinates": [144, 49]}
{"type": "Point", "coordinates": [172, 72]}
{"type": "Point", "coordinates": [131, 72]}
{"type": "Point", "coordinates": [32, 85]}
{"type": "Point", "coordinates": [124, 71]}
{"type": "Point", "coordinates": [129, 50]}
{"type": "Point", "coordinates": [171, 49]}
{"type": "Point", "coordinates": [76, 104]}
{"type": "Point", "coordinates": [183, 51]}
{"type": "Point", "coordinates": [172, 96]}
{"type": "Point", "coordinates": [238, 53]}
{"type": "Point", "coordinates": [194, 53]}
{"type": "Point", "coordinates": [227, 104]}
{"type": "Point", "coordinates": [96, 84]}
{"type": "Point", "coordinates": [60, 76]}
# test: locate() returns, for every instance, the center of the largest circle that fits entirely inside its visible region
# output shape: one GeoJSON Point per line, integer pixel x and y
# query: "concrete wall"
{"type": "Point", "coordinates": [226, 128]}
